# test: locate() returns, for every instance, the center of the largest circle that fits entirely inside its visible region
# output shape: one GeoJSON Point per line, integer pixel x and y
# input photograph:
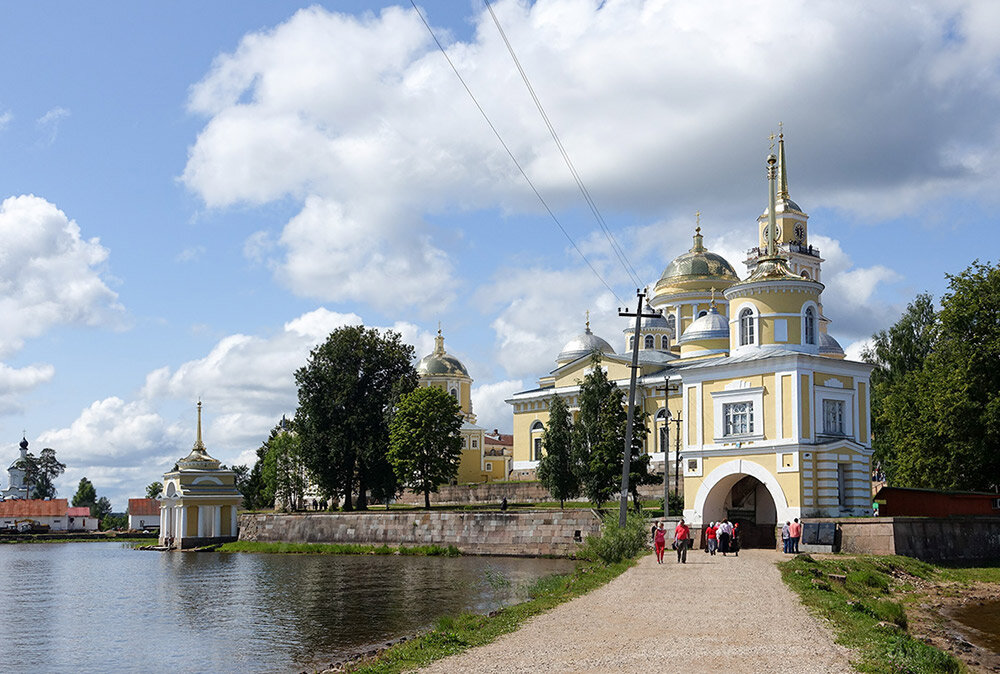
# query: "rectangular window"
{"type": "Point", "coordinates": [833, 417]}
{"type": "Point", "coordinates": [465, 442]}
{"type": "Point", "coordinates": [737, 418]}
{"type": "Point", "coordinates": [538, 449]}
{"type": "Point", "coordinates": [842, 484]}
{"type": "Point", "coordinates": [475, 444]}
{"type": "Point", "coordinates": [692, 465]}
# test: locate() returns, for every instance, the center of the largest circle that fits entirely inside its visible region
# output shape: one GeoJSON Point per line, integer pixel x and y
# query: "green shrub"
{"type": "Point", "coordinates": [616, 543]}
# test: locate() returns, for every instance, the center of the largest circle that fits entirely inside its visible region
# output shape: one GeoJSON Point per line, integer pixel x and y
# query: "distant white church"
{"type": "Point", "coordinates": [15, 477]}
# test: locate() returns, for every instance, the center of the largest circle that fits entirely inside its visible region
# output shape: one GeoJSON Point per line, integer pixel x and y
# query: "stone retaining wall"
{"type": "Point", "coordinates": [533, 533]}
{"type": "Point", "coordinates": [928, 538]}
{"type": "Point", "coordinates": [494, 492]}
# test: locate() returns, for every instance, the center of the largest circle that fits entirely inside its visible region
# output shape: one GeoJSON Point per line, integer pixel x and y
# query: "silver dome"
{"type": "Point", "coordinates": [712, 325]}
{"type": "Point", "coordinates": [827, 344]}
{"type": "Point", "coordinates": [583, 344]}
{"type": "Point", "coordinates": [660, 322]}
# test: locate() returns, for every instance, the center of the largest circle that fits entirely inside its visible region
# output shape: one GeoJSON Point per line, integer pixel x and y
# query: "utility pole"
{"type": "Point", "coordinates": [677, 456]}
{"type": "Point", "coordinates": [665, 439]}
{"type": "Point", "coordinates": [638, 315]}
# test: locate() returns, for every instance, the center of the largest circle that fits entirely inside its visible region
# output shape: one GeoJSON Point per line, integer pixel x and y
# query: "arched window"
{"type": "Point", "coordinates": [648, 342]}
{"type": "Point", "coordinates": [672, 323]}
{"type": "Point", "coordinates": [454, 393]}
{"type": "Point", "coordinates": [746, 327]}
{"type": "Point", "coordinates": [536, 441]}
{"type": "Point", "coordinates": [631, 343]}
{"type": "Point", "coordinates": [665, 343]}
{"type": "Point", "coordinates": [805, 273]}
{"type": "Point", "coordinates": [810, 328]}
{"type": "Point", "coordinates": [702, 313]}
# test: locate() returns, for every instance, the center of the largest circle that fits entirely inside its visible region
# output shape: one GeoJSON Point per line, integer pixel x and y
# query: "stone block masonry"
{"type": "Point", "coordinates": [528, 534]}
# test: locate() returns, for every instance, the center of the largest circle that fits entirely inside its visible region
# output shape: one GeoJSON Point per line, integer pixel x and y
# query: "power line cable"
{"type": "Point", "coordinates": [615, 246]}
{"type": "Point", "coordinates": [511, 154]}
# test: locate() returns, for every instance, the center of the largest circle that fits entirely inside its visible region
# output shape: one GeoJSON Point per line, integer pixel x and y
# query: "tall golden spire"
{"type": "Point", "coordinates": [198, 444]}
{"type": "Point", "coordinates": [771, 198]}
{"type": "Point", "coordinates": [782, 167]}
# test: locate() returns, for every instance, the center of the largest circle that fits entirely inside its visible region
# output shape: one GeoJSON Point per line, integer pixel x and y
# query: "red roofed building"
{"type": "Point", "coordinates": [80, 519]}
{"type": "Point", "coordinates": [55, 513]}
{"type": "Point", "coordinates": [143, 513]}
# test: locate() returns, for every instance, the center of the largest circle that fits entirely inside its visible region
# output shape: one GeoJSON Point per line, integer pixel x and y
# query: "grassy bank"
{"type": "Point", "coordinates": [864, 597]}
{"type": "Point", "coordinates": [453, 635]}
{"type": "Point", "coordinates": [340, 549]}
{"type": "Point", "coordinates": [71, 539]}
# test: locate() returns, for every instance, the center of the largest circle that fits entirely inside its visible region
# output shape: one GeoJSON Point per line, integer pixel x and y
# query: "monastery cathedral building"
{"type": "Point", "coordinates": [774, 421]}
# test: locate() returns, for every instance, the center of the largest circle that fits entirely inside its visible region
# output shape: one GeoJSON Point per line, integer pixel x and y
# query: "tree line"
{"type": "Point", "coordinates": [936, 388]}
{"type": "Point", "coordinates": [364, 431]}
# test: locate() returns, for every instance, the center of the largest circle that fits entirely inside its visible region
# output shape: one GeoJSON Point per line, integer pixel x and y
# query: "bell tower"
{"type": "Point", "coordinates": [791, 233]}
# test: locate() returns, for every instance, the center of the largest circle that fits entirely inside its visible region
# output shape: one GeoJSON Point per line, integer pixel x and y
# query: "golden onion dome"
{"type": "Point", "coordinates": [440, 363]}
{"type": "Point", "coordinates": [697, 264]}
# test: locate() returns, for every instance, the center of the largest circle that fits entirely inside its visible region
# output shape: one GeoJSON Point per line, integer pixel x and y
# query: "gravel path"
{"type": "Point", "coordinates": [713, 614]}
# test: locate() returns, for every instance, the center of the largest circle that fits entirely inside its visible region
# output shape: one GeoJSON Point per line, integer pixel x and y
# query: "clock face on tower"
{"type": "Point", "coordinates": [800, 233]}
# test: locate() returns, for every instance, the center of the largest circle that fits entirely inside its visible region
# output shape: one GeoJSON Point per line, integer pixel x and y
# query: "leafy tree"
{"type": "Point", "coordinates": [40, 472]}
{"type": "Point", "coordinates": [154, 489]}
{"type": "Point", "coordinates": [639, 474]}
{"type": "Point", "coordinates": [282, 470]}
{"type": "Point", "coordinates": [599, 435]}
{"type": "Point", "coordinates": [424, 441]}
{"type": "Point", "coordinates": [557, 470]}
{"type": "Point", "coordinates": [348, 390]}
{"type": "Point", "coordinates": [936, 388]}
{"type": "Point", "coordinates": [86, 495]}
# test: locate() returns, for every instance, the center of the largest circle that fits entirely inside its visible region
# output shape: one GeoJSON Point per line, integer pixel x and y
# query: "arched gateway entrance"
{"type": "Point", "coordinates": [745, 493]}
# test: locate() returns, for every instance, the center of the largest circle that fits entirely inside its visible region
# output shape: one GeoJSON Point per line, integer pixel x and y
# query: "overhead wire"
{"type": "Point", "coordinates": [510, 153]}
{"type": "Point", "coordinates": [615, 246]}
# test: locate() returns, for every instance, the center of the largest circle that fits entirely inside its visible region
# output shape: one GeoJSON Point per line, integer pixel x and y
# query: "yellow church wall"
{"type": "Point", "coordinates": [820, 379]}
{"type": "Point", "coordinates": [704, 347]}
{"type": "Point", "coordinates": [522, 432]}
{"type": "Point", "coordinates": [862, 412]}
{"type": "Point", "coordinates": [692, 419]}
{"type": "Point", "coordinates": [469, 468]}
{"type": "Point", "coordinates": [465, 396]}
{"type": "Point", "coordinates": [804, 403]}
{"type": "Point", "coordinates": [787, 408]}
{"type": "Point", "coordinates": [191, 528]}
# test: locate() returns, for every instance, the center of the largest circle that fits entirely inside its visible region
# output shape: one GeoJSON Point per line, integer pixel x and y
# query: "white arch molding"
{"type": "Point", "coordinates": [735, 468]}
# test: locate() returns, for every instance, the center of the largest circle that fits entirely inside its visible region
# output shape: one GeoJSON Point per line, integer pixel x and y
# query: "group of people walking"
{"type": "Point", "coordinates": [723, 536]}
{"type": "Point", "coordinates": [790, 535]}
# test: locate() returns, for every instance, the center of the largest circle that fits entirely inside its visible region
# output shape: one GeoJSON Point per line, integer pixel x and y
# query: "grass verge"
{"type": "Point", "coordinates": [453, 635]}
{"type": "Point", "coordinates": [339, 549]}
{"type": "Point", "coordinates": [858, 595]}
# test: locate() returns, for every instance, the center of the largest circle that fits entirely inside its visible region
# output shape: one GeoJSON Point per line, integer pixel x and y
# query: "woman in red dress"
{"type": "Point", "coordinates": [660, 542]}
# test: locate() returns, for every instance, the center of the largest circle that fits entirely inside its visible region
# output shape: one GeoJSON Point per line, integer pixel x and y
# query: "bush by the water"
{"type": "Point", "coordinates": [617, 543]}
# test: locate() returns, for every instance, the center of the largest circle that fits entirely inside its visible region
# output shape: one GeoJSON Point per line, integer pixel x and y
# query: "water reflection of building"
{"type": "Point", "coordinates": [774, 421]}
{"type": "Point", "coordinates": [478, 463]}
{"type": "Point", "coordinates": [199, 500]}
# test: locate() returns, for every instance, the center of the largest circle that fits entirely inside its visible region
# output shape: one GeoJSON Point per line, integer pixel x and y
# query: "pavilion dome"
{"type": "Point", "coordinates": [440, 362]}
{"type": "Point", "coordinates": [712, 325]}
{"type": "Point", "coordinates": [583, 344]}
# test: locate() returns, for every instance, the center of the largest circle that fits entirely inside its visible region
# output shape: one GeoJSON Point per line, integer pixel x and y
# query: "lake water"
{"type": "Point", "coordinates": [102, 607]}
{"type": "Point", "coordinates": [985, 619]}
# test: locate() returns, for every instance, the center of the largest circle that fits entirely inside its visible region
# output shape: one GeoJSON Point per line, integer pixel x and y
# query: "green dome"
{"type": "Point", "coordinates": [440, 362]}
{"type": "Point", "coordinates": [698, 263]}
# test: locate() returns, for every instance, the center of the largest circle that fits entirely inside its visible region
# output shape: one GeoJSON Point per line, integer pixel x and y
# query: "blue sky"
{"type": "Point", "coordinates": [195, 194]}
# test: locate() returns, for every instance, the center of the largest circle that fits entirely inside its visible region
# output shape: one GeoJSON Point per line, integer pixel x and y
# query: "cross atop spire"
{"type": "Point", "coordinates": [588, 320]}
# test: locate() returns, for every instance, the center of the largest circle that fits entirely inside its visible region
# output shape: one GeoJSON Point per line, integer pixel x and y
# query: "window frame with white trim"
{"type": "Point", "coordinates": [747, 400]}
